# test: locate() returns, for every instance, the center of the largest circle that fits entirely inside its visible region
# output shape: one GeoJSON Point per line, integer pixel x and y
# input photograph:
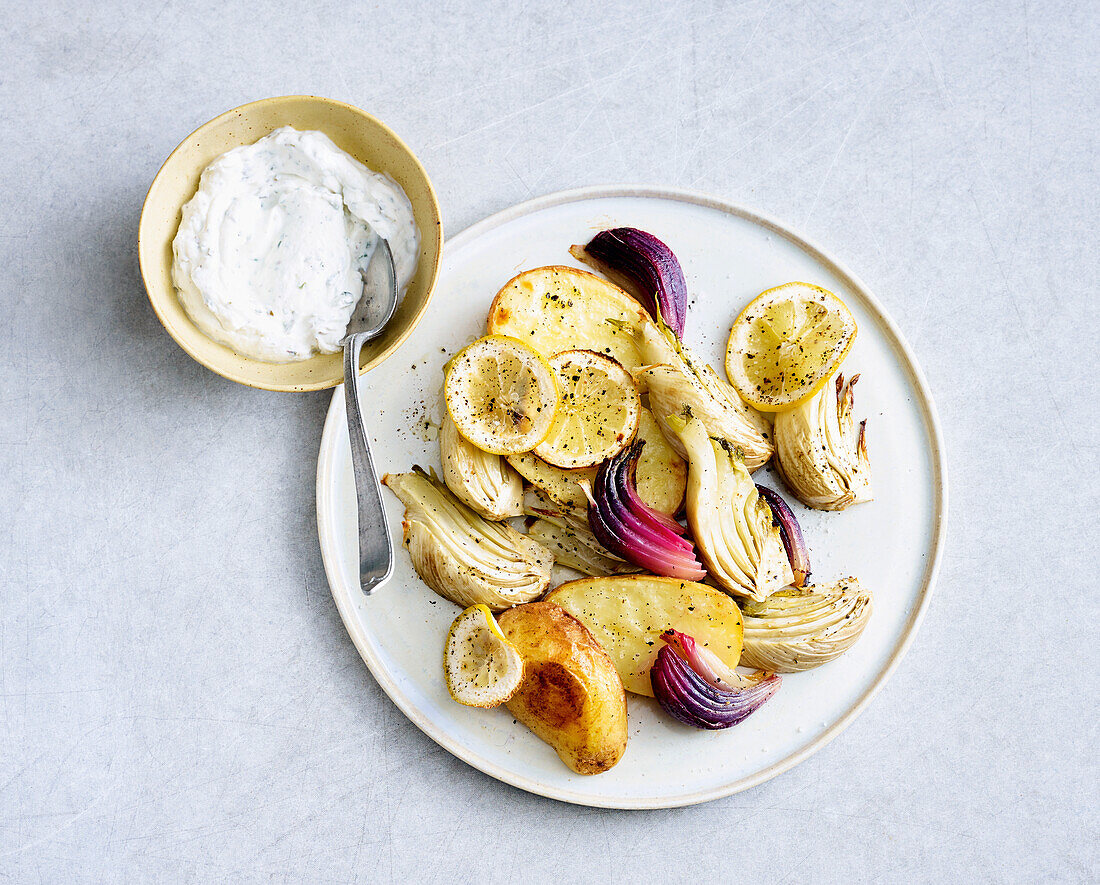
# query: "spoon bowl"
{"type": "Point", "coordinates": [378, 302]}
{"type": "Point", "coordinates": [373, 311]}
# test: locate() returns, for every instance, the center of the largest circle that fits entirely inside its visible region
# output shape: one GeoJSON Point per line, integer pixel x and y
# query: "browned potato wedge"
{"type": "Point", "coordinates": [559, 308]}
{"type": "Point", "coordinates": [571, 695]}
{"type": "Point", "coordinates": [628, 613]}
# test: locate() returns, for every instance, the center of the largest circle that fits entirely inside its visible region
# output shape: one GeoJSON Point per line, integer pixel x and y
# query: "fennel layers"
{"type": "Point", "coordinates": [820, 452]}
{"type": "Point", "coordinates": [799, 629]}
{"type": "Point", "coordinates": [565, 532]}
{"type": "Point", "coordinates": [480, 480]}
{"type": "Point", "coordinates": [462, 556]}
{"type": "Point", "coordinates": [678, 382]}
{"type": "Point", "coordinates": [732, 525]}
{"type": "Point", "coordinates": [569, 550]}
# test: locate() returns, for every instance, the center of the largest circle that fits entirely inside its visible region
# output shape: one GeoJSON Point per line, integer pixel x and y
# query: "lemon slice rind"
{"type": "Point", "coordinates": [786, 344]}
{"type": "Point", "coordinates": [597, 415]}
{"type": "Point", "coordinates": [500, 394]}
{"type": "Point", "coordinates": [482, 668]}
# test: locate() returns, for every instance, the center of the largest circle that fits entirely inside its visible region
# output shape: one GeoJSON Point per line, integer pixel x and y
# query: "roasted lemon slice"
{"type": "Point", "coordinates": [501, 395]}
{"type": "Point", "coordinates": [483, 669]}
{"type": "Point", "coordinates": [597, 415]}
{"type": "Point", "coordinates": [786, 344]}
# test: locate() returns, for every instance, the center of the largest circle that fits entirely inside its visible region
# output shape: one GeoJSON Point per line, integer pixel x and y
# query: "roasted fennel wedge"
{"type": "Point", "coordinates": [676, 379]}
{"type": "Point", "coordinates": [566, 533]}
{"type": "Point", "coordinates": [671, 389]}
{"type": "Point", "coordinates": [799, 629]}
{"type": "Point", "coordinates": [480, 480]}
{"type": "Point", "coordinates": [571, 551]}
{"type": "Point", "coordinates": [462, 556]}
{"type": "Point", "coordinates": [820, 451]}
{"type": "Point", "coordinates": [732, 526]}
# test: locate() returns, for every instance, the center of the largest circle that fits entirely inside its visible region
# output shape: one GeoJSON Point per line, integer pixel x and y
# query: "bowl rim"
{"type": "Point", "coordinates": [323, 383]}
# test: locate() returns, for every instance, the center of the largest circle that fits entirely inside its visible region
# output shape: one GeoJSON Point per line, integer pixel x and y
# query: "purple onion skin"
{"type": "Point", "coordinates": [688, 697]}
{"type": "Point", "coordinates": [617, 511]}
{"type": "Point", "coordinates": [653, 273]}
{"type": "Point", "coordinates": [622, 541]}
{"type": "Point", "coordinates": [791, 532]}
{"type": "Point", "coordinates": [626, 539]}
{"type": "Point", "coordinates": [629, 528]}
{"type": "Point", "coordinates": [627, 479]}
{"type": "Point", "coordinates": [623, 478]}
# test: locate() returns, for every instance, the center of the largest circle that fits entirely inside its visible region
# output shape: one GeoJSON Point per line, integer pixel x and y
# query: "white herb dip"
{"type": "Point", "coordinates": [269, 252]}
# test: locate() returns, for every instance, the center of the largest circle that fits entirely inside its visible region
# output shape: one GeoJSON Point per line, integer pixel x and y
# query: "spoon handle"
{"type": "Point", "coordinates": [375, 546]}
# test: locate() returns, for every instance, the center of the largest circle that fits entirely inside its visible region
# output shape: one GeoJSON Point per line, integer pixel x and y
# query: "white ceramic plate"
{"type": "Point", "coordinates": [893, 544]}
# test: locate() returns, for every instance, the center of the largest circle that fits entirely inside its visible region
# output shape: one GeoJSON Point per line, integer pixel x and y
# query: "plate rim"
{"type": "Point", "coordinates": [334, 419]}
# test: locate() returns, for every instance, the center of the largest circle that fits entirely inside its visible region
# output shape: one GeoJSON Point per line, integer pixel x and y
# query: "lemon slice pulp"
{"type": "Point", "coordinates": [501, 395]}
{"type": "Point", "coordinates": [786, 344]}
{"type": "Point", "coordinates": [597, 415]}
{"type": "Point", "coordinates": [483, 669]}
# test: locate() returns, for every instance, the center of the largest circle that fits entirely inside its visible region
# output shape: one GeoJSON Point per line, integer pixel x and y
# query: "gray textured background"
{"type": "Point", "coordinates": [178, 699]}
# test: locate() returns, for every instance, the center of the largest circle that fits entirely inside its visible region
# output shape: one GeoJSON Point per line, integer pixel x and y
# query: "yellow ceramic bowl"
{"type": "Point", "coordinates": [353, 130]}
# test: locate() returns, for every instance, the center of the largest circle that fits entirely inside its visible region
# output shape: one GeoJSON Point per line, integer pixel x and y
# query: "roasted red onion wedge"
{"type": "Point", "coordinates": [706, 663]}
{"type": "Point", "coordinates": [791, 533]}
{"type": "Point", "coordinates": [643, 266]}
{"type": "Point", "coordinates": [689, 690]}
{"type": "Point", "coordinates": [629, 528]}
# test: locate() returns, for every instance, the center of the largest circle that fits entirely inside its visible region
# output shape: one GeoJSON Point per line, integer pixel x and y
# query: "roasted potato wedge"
{"type": "Point", "coordinates": [627, 614]}
{"type": "Point", "coordinates": [559, 308]}
{"type": "Point", "coordinates": [662, 474]}
{"type": "Point", "coordinates": [571, 696]}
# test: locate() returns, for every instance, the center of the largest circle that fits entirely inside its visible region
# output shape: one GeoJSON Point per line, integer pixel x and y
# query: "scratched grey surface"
{"type": "Point", "coordinates": [178, 699]}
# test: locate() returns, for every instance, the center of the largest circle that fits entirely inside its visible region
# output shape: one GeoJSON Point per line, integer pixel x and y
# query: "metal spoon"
{"type": "Point", "coordinates": [375, 308]}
